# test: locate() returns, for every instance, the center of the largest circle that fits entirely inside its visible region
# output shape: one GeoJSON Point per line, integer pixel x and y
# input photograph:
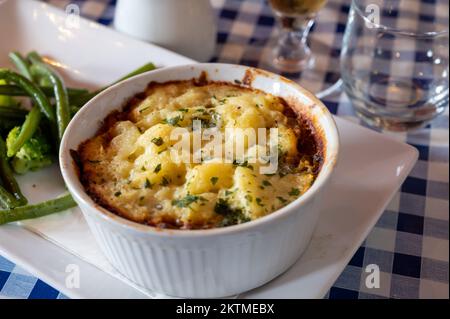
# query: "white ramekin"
{"type": "Point", "coordinates": [202, 263]}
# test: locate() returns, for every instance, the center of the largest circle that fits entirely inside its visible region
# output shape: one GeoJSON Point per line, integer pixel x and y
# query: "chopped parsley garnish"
{"type": "Point", "coordinates": [294, 192]}
{"type": "Point", "coordinates": [221, 101]}
{"type": "Point", "coordinates": [249, 198]}
{"type": "Point", "coordinates": [164, 181]}
{"type": "Point", "coordinates": [266, 183]}
{"type": "Point", "coordinates": [259, 202]}
{"type": "Point", "coordinates": [158, 141]}
{"type": "Point", "coordinates": [185, 201]}
{"type": "Point", "coordinates": [214, 180]}
{"type": "Point", "coordinates": [201, 110]}
{"type": "Point", "coordinates": [145, 108]}
{"type": "Point", "coordinates": [242, 164]}
{"type": "Point", "coordinates": [204, 123]}
{"type": "Point", "coordinates": [157, 168]}
{"type": "Point", "coordinates": [117, 194]}
{"type": "Point", "coordinates": [173, 121]}
{"type": "Point", "coordinates": [222, 207]}
{"type": "Point", "coordinates": [227, 192]}
{"type": "Point", "coordinates": [281, 199]}
{"type": "Point", "coordinates": [230, 216]}
{"type": "Point", "coordinates": [147, 183]}
{"type": "Point", "coordinates": [183, 110]}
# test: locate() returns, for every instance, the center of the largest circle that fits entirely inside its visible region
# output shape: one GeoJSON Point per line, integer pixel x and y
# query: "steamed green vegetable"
{"type": "Point", "coordinates": [7, 90]}
{"type": "Point", "coordinates": [22, 65]}
{"type": "Point", "coordinates": [83, 99]}
{"type": "Point", "coordinates": [39, 78]}
{"type": "Point", "coordinates": [6, 100]}
{"type": "Point", "coordinates": [20, 135]}
{"type": "Point", "coordinates": [60, 93]}
{"type": "Point", "coordinates": [37, 210]}
{"type": "Point", "coordinates": [35, 154]}
{"type": "Point", "coordinates": [29, 138]}
{"type": "Point", "coordinates": [7, 177]}
{"type": "Point", "coordinates": [12, 113]}
{"type": "Point", "coordinates": [32, 90]}
{"type": "Point", "coordinates": [7, 200]}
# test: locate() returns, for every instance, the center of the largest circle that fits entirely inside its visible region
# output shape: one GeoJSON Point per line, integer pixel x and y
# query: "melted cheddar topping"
{"type": "Point", "coordinates": [129, 168]}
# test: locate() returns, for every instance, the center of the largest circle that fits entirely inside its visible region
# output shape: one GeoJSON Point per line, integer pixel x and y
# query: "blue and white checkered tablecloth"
{"type": "Point", "coordinates": [410, 242]}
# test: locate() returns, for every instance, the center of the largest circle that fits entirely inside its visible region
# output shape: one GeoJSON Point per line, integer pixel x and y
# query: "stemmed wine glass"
{"type": "Point", "coordinates": [295, 18]}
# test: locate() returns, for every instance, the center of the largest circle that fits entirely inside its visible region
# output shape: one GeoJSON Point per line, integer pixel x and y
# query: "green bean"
{"type": "Point", "coordinates": [60, 93]}
{"type": "Point", "coordinates": [63, 115]}
{"type": "Point", "coordinates": [40, 79]}
{"type": "Point", "coordinates": [7, 176]}
{"type": "Point", "coordinates": [32, 90]}
{"type": "Point", "coordinates": [7, 200]}
{"type": "Point", "coordinates": [14, 90]}
{"type": "Point", "coordinates": [6, 100]}
{"type": "Point", "coordinates": [21, 64]}
{"type": "Point", "coordinates": [73, 110]}
{"type": "Point", "coordinates": [12, 113]}
{"type": "Point", "coordinates": [26, 131]}
{"type": "Point", "coordinates": [83, 99]}
{"type": "Point", "coordinates": [145, 68]}
{"type": "Point", "coordinates": [38, 210]}
{"type": "Point", "coordinates": [35, 57]}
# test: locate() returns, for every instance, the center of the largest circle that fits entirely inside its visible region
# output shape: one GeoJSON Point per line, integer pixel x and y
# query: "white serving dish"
{"type": "Point", "coordinates": [366, 177]}
{"type": "Point", "coordinates": [212, 262]}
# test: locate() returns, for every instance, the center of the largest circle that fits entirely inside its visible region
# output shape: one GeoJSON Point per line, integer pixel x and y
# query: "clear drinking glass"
{"type": "Point", "coordinates": [394, 61]}
{"type": "Point", "coordinates": [295, 19]}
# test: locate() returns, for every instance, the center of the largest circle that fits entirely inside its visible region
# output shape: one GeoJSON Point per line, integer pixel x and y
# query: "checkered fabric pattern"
{"type": "Point", "coordinates": [16, 282]}
{"type": "Point", "coordinates": [410, 242]}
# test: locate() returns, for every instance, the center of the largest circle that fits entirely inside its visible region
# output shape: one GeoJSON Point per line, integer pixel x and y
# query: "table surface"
{"type": "Point", "coordinates": [410, 241]}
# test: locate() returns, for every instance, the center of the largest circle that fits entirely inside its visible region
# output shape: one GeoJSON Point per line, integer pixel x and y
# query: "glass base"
{"type": "Point", "coordinates": [395, 104]}
{"type": "Point", "coordinates": [393, 124]}
{"type": "Point", "coordinates": [311, 74]}
{"type": "Point", "coordinates": [290, 65]}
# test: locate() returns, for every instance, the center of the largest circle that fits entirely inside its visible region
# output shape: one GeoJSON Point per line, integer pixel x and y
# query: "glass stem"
{"type": "Point", "coordinates": [292, 49]}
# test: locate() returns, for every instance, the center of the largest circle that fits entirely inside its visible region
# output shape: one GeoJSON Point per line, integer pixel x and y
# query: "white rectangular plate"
{"type": "Point", "coordinates": [367, 176]}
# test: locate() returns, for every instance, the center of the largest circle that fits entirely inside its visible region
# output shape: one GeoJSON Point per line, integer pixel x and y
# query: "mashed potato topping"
{"type": "Point", "coordinates": [128, 167]}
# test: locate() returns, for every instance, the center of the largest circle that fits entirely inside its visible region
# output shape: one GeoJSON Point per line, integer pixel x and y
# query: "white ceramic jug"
{"type": "Point", "coordinates": [184, 26]}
